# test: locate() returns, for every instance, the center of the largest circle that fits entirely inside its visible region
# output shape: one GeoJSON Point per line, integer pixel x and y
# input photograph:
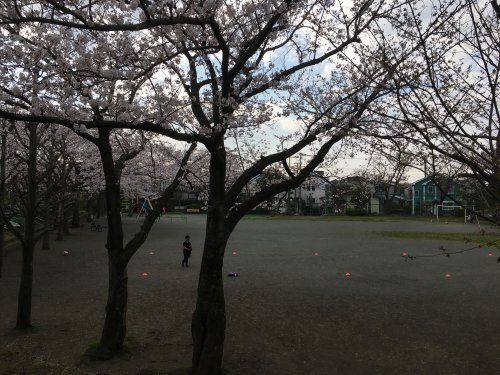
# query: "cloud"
{"type": "Point", "coordinates": [288, 124]}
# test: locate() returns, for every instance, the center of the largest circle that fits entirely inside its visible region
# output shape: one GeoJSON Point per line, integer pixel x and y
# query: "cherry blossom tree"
{"type": "Point", "coordinates": [26, 184]}
{"type": "Point", "coordinates": [212, 73]}
{"type": "Point", "coordinates": [446, 101]}
{"type": "Point", "coordinates": [5, 156]}
{"type": "Point", "coordinates": [75, 85]}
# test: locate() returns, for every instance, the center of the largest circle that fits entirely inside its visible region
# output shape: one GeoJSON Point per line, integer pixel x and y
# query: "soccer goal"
{"type": "Point", "coordinates": [447, 207]}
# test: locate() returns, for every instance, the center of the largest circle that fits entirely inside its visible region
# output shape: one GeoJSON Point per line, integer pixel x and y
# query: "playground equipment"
{"type": "Point", "coordinates": [146, 206]}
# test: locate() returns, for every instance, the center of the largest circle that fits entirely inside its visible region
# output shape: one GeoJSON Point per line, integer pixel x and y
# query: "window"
{"type": "Point", "coordinates": [416, 193]}
{"type": "Point", "coordinates": [313, 188]}
{"type": "Point", "coordinates": [431, 189]}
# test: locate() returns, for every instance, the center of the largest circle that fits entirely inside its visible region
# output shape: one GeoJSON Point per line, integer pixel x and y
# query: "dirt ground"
{"type": "Point", "coordinates": [291, 311]}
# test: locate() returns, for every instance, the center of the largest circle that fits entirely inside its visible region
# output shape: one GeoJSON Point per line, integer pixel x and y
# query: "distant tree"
{"type": "Point", "coordinates": [447, 98]}
{"type": "Point", "coordinates": [387, 171]}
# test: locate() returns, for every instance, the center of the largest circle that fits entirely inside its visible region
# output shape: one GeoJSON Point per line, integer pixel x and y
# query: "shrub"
{"type": "Point", "coordinates": [355, 212]}
{"type": "Point", "coordinates": [260, 211]}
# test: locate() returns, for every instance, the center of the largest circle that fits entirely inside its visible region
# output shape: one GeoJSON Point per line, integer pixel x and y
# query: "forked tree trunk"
{"type": "Point", "coordinates": [115, 327]}
{"type": "Point", "coordinates": [208, 324]}
{"type": "Point", "coordinates": [26, 286]}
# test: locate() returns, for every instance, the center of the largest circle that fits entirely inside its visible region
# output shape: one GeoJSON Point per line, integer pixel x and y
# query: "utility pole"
{"type": "Point", "coordinates": [300, 186]}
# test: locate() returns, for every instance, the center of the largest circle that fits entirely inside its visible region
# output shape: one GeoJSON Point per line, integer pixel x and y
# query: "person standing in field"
{"type": "Point", "coordinates": [186, 250]}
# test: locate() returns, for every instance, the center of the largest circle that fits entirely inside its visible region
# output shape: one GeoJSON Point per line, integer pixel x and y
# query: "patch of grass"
{"type": "Point", "coordinates": [347, 218]}
{"type": "Point", "coordinates": [475, 238]}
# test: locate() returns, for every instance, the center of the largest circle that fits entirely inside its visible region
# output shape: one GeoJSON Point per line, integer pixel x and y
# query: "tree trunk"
{"type": "Point", "coordinates": [25, 289]}
{"type": "Point", "coordinates": [46, 227]}
{"type": "Point", "coordinates": [89, 209]}
{"type": "Point", "coordinates": [65, 225]}
{"type": "Point", "coordinates": [98, 212]}
{"type": "Point", "coordinates": [2, 240]}
{"type": "Point", "coordinates": [387, 207]}
{"type": "Point", "coordinates": [60, 230]}
{"type": "Point", "coordinates": [3, 156]}
{"type": "Point", "coordinates": [75, 220]}
{"type": "Point", "coordinates": [114, 330]}
{"type": "Point", "coordinates": [46, 241]}
{"type": "Point", "coordinates": [208, 324]}
{"type": "Point", "coordinates": [115, 327]}
{"type": "Point", "coordinates": [26, 286]}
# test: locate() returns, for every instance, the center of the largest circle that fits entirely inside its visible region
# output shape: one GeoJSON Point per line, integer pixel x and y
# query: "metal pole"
{"type": "Point", "coordinates": [300, 186]}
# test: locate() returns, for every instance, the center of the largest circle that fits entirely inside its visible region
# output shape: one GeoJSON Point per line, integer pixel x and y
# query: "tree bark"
{"type": "Point", "coordinates": [26, 286]}
{"type": "Point", "coordinates": [208, 324]}
{"type": "Point", "coordinates": [98, 210]}
{"type": "Point", "coordinates": [2, 240]}
{"type": "Point", "coordinates": [46, 226]}
{"type": "Point", "coordinates": [3, 156]}
{"type": "Point", "coordinates": [114, 330]}
{"type": "Point", "coordinates": [115, 326]}
{"type": "Point", "coordinates": [60, 230]}
{"type": "Point", "coordinates": [65, 224]}
{"type": "Point", "coordinates": [75, 220]}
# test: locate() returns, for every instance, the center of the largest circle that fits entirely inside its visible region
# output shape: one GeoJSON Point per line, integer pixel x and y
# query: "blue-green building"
{"type": "Point", "coordinates": [427, 197]}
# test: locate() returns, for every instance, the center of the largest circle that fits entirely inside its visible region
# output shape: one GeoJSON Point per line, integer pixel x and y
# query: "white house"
{"type": "Point", "coordinates": [312, 192]}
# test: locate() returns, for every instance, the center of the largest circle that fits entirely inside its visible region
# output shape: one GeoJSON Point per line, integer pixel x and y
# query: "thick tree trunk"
{"type": "Point", "coordinates": [26, 286]}
{"type": "Point", "coordinates": [2, 239]}
{"type": "Point", "coordinates": [208, 324]}
{"type": "Point", "coordinates": [25, 289]}
{"type": "Point", "coordinates": [115, 327]}
{"type": "Point", "coordinates": [3, 156]}
{"type": "Point", "coordinates": [114, 330]}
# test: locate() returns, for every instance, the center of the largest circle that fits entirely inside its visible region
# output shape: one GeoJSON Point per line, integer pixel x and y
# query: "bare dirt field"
{"type": "Point", "coordinates": [291, 311]}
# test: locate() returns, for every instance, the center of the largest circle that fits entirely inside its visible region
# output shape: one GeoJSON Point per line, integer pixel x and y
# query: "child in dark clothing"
{"type": "Point", "coordinates": [186, 250]}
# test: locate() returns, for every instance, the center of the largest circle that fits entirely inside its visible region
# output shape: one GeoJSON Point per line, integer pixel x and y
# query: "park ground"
{"type": "Point", "coordinates": [292, 310]}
